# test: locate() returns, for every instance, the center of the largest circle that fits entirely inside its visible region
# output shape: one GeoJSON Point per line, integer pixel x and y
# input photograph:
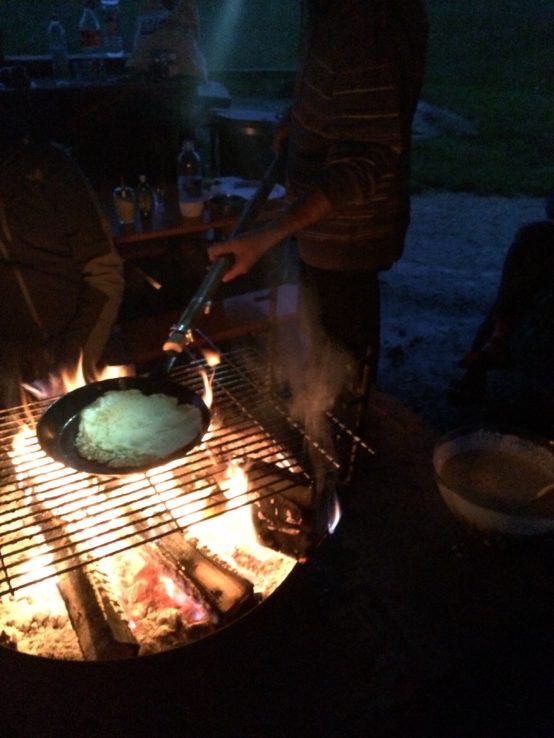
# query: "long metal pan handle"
{"type": "Point", "coordinates": [180, 332]}
{"type": "Point", "coordinates": [253, 207]}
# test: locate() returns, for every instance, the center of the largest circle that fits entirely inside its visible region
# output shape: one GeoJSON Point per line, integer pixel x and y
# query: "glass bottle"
{"type": "Point", "coordinates": [124, 203]}
{"type": "Point", "coordinates": [57, 44]}
{"type": "Point", "coordinates": [145, 197]}
{"type": "Point", "coordinates": [90, 35]}
{"type": "Point", "coordinates": [189, 179]}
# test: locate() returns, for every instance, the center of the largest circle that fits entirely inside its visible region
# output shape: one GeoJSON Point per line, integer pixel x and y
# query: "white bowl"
{"type": "Point", "coordinates": [492, 480]}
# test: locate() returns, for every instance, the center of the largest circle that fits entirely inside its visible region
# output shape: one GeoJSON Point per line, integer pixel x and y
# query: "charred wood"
{"type": "Point", "coordinates": [99, 622]}
{"type": "Point", "coordinates": [292, 516]}
{"type": "Point", "coordinates": [226, 592]}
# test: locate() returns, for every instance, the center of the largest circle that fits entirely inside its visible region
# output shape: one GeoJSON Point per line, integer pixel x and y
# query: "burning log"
{"type": "Point", "coordinates": [294, 516]}
{"type": "Point", "coordinates": [226, 592]}
{"type": "Point", "coordinates": [99, 622]}
{"type": "Point", "coordinates": [166, 609]}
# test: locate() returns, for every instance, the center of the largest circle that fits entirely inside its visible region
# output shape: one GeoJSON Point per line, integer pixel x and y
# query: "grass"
{"type": "Point", "coordinates": [491, 63]}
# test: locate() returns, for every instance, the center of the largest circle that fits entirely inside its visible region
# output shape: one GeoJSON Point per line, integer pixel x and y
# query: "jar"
{"type": "Point", "coordinates": [125, 204]}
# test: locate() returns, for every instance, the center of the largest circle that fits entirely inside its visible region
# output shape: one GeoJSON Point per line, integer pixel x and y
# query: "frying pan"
{"type": "Point", "coordinates": [58, 427]}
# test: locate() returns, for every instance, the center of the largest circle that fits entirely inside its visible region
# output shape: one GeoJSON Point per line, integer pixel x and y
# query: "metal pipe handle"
{"type": "Point", "coordinates": [180, 332]}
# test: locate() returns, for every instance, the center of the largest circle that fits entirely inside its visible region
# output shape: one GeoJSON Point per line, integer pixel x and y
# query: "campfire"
{"type": "Point", "coordinates": [96, 567]}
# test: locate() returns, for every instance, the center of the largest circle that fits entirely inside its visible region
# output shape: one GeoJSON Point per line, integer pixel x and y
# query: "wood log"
{"type": "Point", "coordinates": [226, 592]}
{"type": "Point", "coordinates": [98, 620]}
{"type": "Point", "coordinates": [292, 516]}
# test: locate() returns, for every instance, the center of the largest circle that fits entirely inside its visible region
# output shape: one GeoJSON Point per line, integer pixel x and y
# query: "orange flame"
{"type": "Point", "coordinates": [212, 358]}
{"type": "Point", "coordinates": [236, 484]}
{"type": "Point", "coordinates": [70, 378]}
{"type": "Point", "coordinates": [208, 395]}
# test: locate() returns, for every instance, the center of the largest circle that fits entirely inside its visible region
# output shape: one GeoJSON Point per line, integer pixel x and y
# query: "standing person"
{"type": "Point", "coordinates": [527, 276]}
{"type": "Point", "coordinates": [348, 152]}
{"type": "Point", "coordinates": [61, 280]}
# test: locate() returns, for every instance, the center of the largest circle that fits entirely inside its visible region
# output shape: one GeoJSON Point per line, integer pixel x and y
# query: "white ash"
{"type": "Point", "coordinates": [36, 623]}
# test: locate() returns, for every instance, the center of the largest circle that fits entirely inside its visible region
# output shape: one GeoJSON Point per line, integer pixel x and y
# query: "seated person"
{"type": "Point", "coordinates": [60, 277]}
{"type": "Point", "coordinates": [527, 275]}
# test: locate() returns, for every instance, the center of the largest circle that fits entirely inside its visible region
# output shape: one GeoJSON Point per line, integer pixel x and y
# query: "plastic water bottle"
{"type": "Point", "coordinates": [57, 43]}
{"type": "Point", "coordinates": [113, 40]}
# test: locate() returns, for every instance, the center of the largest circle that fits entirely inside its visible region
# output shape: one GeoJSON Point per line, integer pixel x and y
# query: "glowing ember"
{"type": "Point", "coordinates": [161, 612]}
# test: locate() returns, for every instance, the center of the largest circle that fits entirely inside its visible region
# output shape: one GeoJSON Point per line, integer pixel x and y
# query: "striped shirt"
{"type": "Point", "coordinates": [353, 105]}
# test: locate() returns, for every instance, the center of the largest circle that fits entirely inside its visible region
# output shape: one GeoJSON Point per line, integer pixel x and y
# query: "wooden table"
{"type": "Point", "coordinates": [147, 237]}
{"type": "Point", "coordinates": [249, 307]}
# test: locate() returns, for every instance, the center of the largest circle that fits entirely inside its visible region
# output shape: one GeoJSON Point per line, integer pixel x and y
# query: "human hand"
{"type": "Point", "coordinates": [245, 250]}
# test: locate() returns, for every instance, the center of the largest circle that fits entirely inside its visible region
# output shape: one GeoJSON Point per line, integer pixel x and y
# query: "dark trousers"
{"type": "Point", "coordinates": [340, 312]}
{"type": "Point", "coordinates": [346, 305]}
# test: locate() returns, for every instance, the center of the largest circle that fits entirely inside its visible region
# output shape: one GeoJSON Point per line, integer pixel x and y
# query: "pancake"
{"type": "Point", "coordinates": [128, 428]}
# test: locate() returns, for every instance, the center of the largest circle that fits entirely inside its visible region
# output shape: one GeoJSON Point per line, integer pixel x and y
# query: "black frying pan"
{"type": "Point", "coordinates": [58, 427]}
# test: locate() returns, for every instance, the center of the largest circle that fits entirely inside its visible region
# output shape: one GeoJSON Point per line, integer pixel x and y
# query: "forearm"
{"type": "Point", "coordinates": [247, 249]}
{"type": "Point", "coordinates": [306, 211]}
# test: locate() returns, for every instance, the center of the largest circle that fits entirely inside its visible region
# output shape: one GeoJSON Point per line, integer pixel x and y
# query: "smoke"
{"type": "Point", "coordinates": [318, 372]}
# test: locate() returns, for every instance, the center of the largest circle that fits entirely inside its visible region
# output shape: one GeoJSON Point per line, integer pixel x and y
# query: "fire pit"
{"type": "Point", "coordinates": [111, 568]}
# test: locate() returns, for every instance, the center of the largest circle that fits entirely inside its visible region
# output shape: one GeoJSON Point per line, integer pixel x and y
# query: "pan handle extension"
{"type": "Point", "coordinates": [257, 201]}
{"type": "Point", "coordinates": [181, 332]}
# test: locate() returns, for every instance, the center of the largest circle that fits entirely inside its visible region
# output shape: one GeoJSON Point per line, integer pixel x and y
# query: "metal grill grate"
{"type": "Point", "coordinates": [54, 519]}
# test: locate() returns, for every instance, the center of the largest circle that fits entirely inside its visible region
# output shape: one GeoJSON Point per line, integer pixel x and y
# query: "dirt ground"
{"type": "Point", "coordinates": [433, 300]}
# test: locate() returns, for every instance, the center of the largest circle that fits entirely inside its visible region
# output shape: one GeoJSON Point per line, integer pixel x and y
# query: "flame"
{"type": "Point", "coordinates": [22, 440]}
{"type": "Point", "coordinates": [224, 532]}
{"type": "Point", "coordinates": [235, 486]}
{"type": "Point", "coordinates": [116, 371]}
{"type": "Point", "coordinates": [335, 516]}
{"type": "Point", "coordinates": [208, 395]}
{"type": "Point", "coordinates": [70, 378]}
{"type": "Point", "coordinates": [76, 496]}
{"type": "Point", "coordinates": [212, 358]}
{"type": "Point", "coordinates": [87, 513]}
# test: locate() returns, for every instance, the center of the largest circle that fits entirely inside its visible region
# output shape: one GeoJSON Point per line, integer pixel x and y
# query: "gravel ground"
{"type": "Point", "coordinates": [434, 299]}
